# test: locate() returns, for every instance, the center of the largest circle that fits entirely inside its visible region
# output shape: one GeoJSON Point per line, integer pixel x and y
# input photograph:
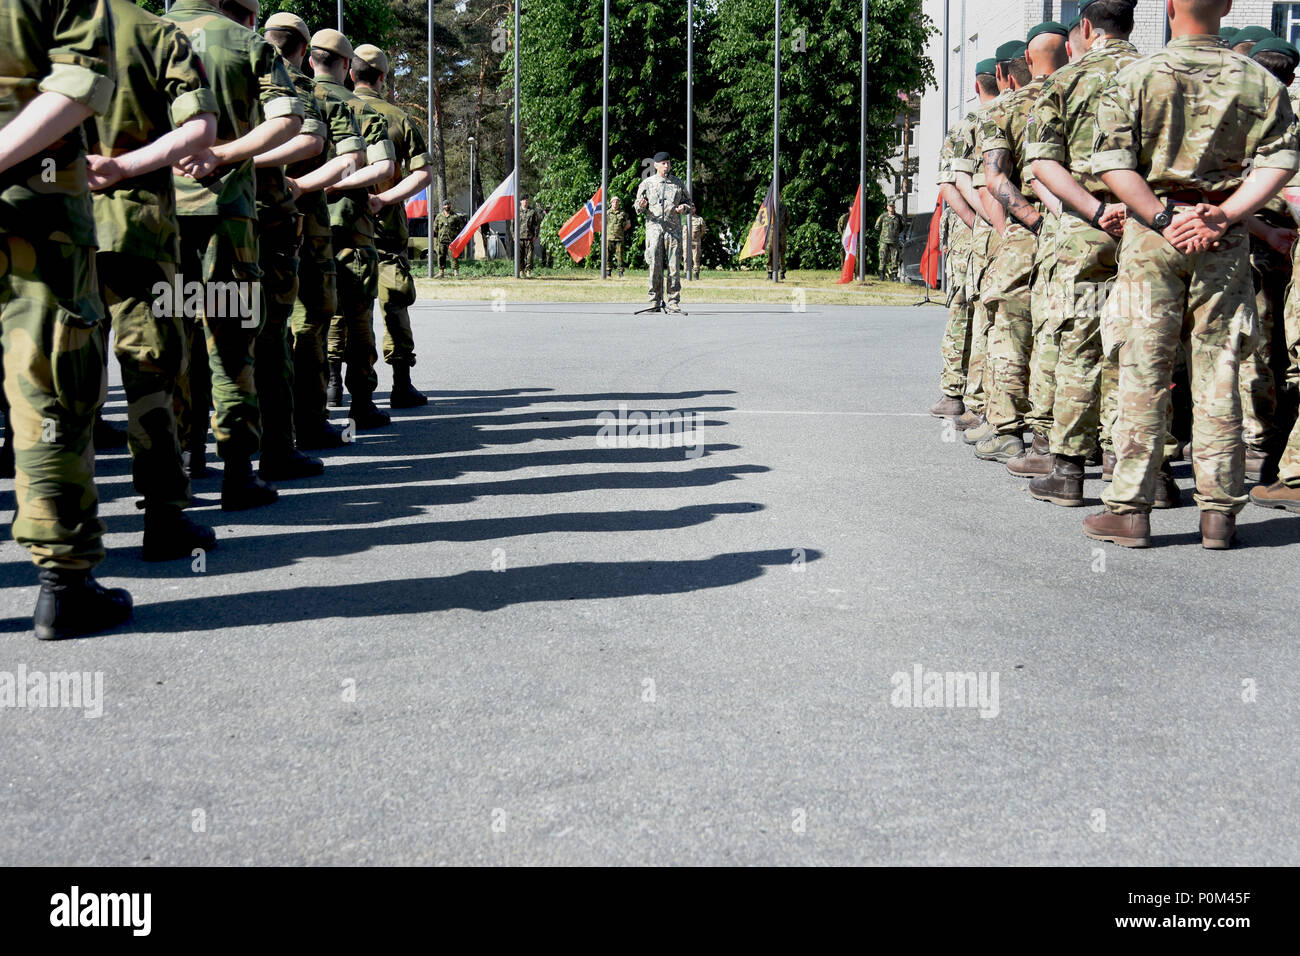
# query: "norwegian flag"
{"type": "Point", "coordinates": [576, 234]}
{"type": "Point", "coordinates": [850, 239]}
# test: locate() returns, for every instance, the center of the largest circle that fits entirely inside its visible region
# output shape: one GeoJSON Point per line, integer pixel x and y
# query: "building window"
{"type": "Point", "coordinates": [1286, 21]}
{"type": "Point", "coordinates": [1069, 10]}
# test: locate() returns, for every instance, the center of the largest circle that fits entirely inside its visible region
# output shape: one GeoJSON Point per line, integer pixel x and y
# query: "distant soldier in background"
{"type": "Point", "coordinates": [776, 237]}
{"type": "Point", "coordinates": [698, 229]}
{"type": "Point", "coordinates": [617, 225]}
{"type": "Point", "coordinates": [446, 228]}
{"type": "Point", "coordinates": [889, 227]}
{"type": "Point", "coordinates": [530, 227]}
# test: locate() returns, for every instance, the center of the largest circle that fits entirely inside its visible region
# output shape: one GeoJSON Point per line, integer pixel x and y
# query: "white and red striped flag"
{"type": "Point", "coordinates": [850, 238]}
{"type": "Point", "coordinates": [500, 205]}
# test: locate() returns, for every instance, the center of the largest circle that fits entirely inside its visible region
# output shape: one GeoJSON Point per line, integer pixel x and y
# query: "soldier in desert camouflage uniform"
{"type": "Point", "coordinates": [1175, 131]}
{"type": "Point", "coordinates": [662, 198]}
{"type": "Point", "coordinates": [160, 83]}
{"type": "Point", "coordinates": [1060, 147]}
{"type": "Point", "coordinates": [1003, 140]}
{"type": "Point", "coordinates": [259, 110]}
{"type": "Point", "coordinates": [414, 172]}
{"type": "Point", "coordinates": [56, 71]}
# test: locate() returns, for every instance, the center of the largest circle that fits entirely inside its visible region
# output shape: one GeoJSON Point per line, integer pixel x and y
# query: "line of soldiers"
{"type": "Point", "coordinates": [227, 185]}
{"type": "Point", "coordinates": [1118, 243]}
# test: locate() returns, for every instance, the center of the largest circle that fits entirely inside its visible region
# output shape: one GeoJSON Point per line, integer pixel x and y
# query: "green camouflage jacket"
{"type": "Point", "coordinates": [448, 226]}
{"type": "Point", "coordinates": [250, 83]}
{"type": "Point", "coordinates": [160, 84]}
{"type": "Point", "coordinates": [411, 155]}
{"type": "Point", "coordinates": [59, 46]}
{"type": "Point", "coordinates": [343, 136]}
{"type": "Point", "coordinates": [617, 223]}
{"type": "Point", "coordinates": [350, 209]}
{"type": "Point", "coordinates": [274, 202]}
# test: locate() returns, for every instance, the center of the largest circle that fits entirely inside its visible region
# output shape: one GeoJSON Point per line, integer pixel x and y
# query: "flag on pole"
{"type": "Point", "coordinates": [756, 244]}
{"type": "Point", "coordinates": [500, 205]}
{"type": "Point", "coordinates": [930, 258]}
{"type": "Point", "coordinates": [417, 207]}
{"type": "Point", "coordinates": [850, 239]}
{"type": "Point", "coordinates": [577, 232]}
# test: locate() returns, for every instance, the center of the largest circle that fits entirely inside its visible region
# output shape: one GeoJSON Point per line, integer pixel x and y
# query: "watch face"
{"type": "Point", "coordinates": [1161, 221]}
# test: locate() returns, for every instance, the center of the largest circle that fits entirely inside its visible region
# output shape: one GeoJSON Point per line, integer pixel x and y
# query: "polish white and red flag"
{"type": "Point", "coordinates": [852, 229]}
{"type": "Point", "coordinates": [576, 234]}
{"type": "Point", "coordinates": [500, 205]}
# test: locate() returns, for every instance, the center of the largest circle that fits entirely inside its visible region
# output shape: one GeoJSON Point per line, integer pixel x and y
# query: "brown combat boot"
{"type": "Point", "coordinates": [1255, 460]}
{"type": "Point", "coordinates": [1277, 495]}
{"type": "Point", "coordinates": [1108, 460]}
{"type": "Point", "coordinates": [950, 406]}
{"type": "Point", "coordinates": [1037, 459]}
{"type": "Point", "coordinates": [968, 419]}
{"type": "Point", "coordinates": [1168, 494]}
{"type": "Point", "coordinates": [1064, 485]}
{"type": "Point", "coordinates": [1128, 531]}
{"type": "Point", "coordinates": [973, 436]}
{"type": "Point", "coordinates": [1217, 530]}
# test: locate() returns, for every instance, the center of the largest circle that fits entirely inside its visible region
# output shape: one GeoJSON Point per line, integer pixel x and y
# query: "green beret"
{"type": "Point", "coordinates": [1277, 45]}
{"type": "Point", "coordinates": [1010, 50]}
{"type": "Point", "coordinates": [1251, 35]}
{"type": "Point", "coordinates": [1085, 4]}
{"type": "Point", "coordinates": [1049, 26]}
{"type": "Point", "coordinates": [989, 66]}
{"type": "Point", "coordinates": [1227, 33]}
{"type": "Point", "coordinates": [1073, 24]}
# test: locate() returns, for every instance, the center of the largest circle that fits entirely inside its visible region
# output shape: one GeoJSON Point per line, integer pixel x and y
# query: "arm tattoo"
{"type": "Point", "coordinates": [996, 164]}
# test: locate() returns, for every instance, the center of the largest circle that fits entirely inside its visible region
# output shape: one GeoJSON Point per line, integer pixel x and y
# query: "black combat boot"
{"type": "Point", "coordinates": [334, 387]}
{"type": "Point", "coordinates": [169, 534]}
{"type": "Point", "coordinates": [288, 467]}
{"type": "Point", "coordinates": [404, 394]}
{"type": "Point", "coordinates": [72, 603]}
{"type": "Point", "coordinates": [319, 437]}
{"type": "Point", "coordinates": [241, 489]}
{"type": "Point", "coordinates": [365, 415]}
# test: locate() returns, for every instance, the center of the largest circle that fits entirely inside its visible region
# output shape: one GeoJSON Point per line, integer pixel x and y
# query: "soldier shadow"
{"type": "Point", "coordinates": [483, 590]}
{"type": "Point", "coordinates": [1279, 532]}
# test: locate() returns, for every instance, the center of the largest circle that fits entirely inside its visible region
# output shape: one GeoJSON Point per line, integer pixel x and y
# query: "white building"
{"type": "Point", "coordinates": [975, 28]}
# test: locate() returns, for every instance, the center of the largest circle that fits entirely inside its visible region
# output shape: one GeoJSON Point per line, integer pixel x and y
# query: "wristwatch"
{"type": "Point", "coordinates": [1095, 221]}
{"type": "Point", "coordinates": [1160, 222]}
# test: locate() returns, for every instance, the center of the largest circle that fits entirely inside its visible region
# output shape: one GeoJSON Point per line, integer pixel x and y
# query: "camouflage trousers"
{"type": "Point", "coordinates": [396, 296]}
{"type": "Point", "coordinates": [956, 346]}
{"type": "Point", "coordinates": [1085, 274]}
{"type": "Point", "coordinates": [221, 250]}
{"type": "Point", "coordinates": [1043, 353]}
{"type": "Point", "coordinates": [775, 259]}
{"type": "Point", "coordinates": [352, 332]}
{"type": "Point", "coordinates": [150, 345]}
{"type": "Point", "coordinates": [984, 248]}
{"type": "Point", "coordinates": [54, 381]}
{"type": "Point", "coordinates": [1161, 297]}
{"type": "Point", "coordinates": [1265, 366]}
{"type": "Point", "coordinates": [527, 253]}
{"type": "Point", "coordinates": [615, 254]}
{"type": "Point", "coordinates": [1012, 339]}
{"type": "Point", "coordinates": [273, 356]}
{"type": "Point", "coordinates": [442, 248]}
{"type": "Point", "coordinates": [887, 258]}
{"type": "Point", "coordinates": [663, 253]}
{"type": "Point", "coordinates": [310, 325]}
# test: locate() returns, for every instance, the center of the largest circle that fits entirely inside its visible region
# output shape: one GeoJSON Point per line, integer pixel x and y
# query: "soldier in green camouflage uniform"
{"type": "Point", "coordinates": [318, 280]}
{"type": "Point", "coordinates": [776, 239]}
{"type": "Point", "coordinates": [1063, 134]}
{"type": "Point", "coordinates": [280, 228]}
{"type": "Point", "coordinates": [889, 228]}
{"type": "Point", "coordinates": [352, 335]}
{"type": "Point", "coordinates": [446, 228]}
{"type": "Point", "coordinates": [160, 83]}
{"type": "Point", "coordinates": [617, 225]}
{"type": "Point", "coordinates": [55, 67]}
{"type": "Point", "coordinates": [1003, 139]}
{"type": "Point", "coordinates": [259, 110]}
{"type": "Point", "coordinates": [1175, 132]}
{"type": "Point", "coordinates": [414, 172]}
{"type": "Point", "coordinates": [530, 227]}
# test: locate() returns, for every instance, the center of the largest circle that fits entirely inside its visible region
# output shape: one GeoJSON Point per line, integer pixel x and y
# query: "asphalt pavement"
{"type": "Point", "coordinates": [505, 631]}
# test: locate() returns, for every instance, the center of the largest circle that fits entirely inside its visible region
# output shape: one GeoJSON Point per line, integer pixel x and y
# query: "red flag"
{"type": "Point", "coordinates": [500, 205]}
{"type": "Point", "coordinates": [576, 233]}
{"type": "Point", "coordinates": [417, 207]}
{"type": "Point", "coordinates": [852, 228]}
{"type": "Point", "coordinates": [930, 258]}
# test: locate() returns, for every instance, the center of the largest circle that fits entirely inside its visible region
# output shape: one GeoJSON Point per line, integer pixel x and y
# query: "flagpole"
{"type": "Point", "coordinates": [604, 148]}
{"type": "Point", "coordinates": [518, 178]}
{"type": "Point", "coordinates": [340, 26]}
{"type": "Point", "coordinates": [690, 130]}
{"type": "Point", "coordinates": [862, 158]}
{"type": "Point", "coordinates": [775, 228]}
{"type": "Point", "coordinates": [428, 192]}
